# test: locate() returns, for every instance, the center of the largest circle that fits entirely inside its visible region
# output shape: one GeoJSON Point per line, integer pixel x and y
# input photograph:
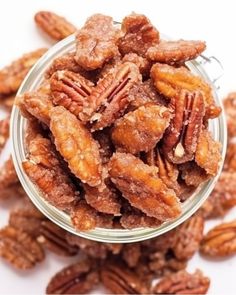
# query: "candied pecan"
{"type": "Point", "coordinates": [106, 146]}
{"type": "Point", "coordinates": [4, 132]}
{"type": "Point", "coordinates": [104, 198]}
{"type": "Point", "coordinates": [44, 169]}
{"type": "Point", "coordinates": [8, 176]}
{"type": "Point", "coordinates": [230, 159]}
{"type": "Point", "coordinates": [76, 145]}
{"type": "Point", "coordinates": [70, 90]}
{"type": "Point", "coordinates": [176, 52]}
{"type": "Point", "coordinates": [96, 42]}
{"type": "Point", "coordinates": [35, 104]}
{"type": "Point", "coordinates": [183, 282]}
{"type": "Point", "coordinates": [93, 249]}
{"type": "Point", "coordinates": [19, 249]}
{"type": "Point", "coordinates": [53, 238]}
{"type": "Point", "coordinates": [141, 129]}
{"type": "Point", "coordinates": [120, 280]}
{"type": "Point", "coordinates": [14, 190]}
{"type": "Point", "coordinates": [85, 217]}
{"type": "Point", "coordinates": [136, 218]}
{"type": "Point", "coordinates": [140, 34]}
{"type": "Point", "coordinates": [53, 25]}
{"type": "Point", "coordinates": [181, 137]}
{"type": "Point", "coordinates": [27, 218]}
{"type": "Point", "coordinates": [8, 101]}
{"type": "Point", "coordinates": [110, 98]}
{"type": "Point", "coordinates": [170, 80]}
{"type": "Point", "coordinates": [220, 240]}
{"type": "Point", "coordinates": [144, 190]}
{"type": "Point", "coordinates": [188, 237]}
{"type": "Point", "coordinates": [110, 66]}
{"type": "Point", "coordinates": [79, 278]}
{"type": "Point", "coordinates": [230, 110]}
{"type": "Point", "coordinates": [208, 153]}
{"type": "Point", "coordinates": [141, 62]}
{"type": "Point", "coordinates": [131, 254]}
{"type": "Point", "coordinates": [12, 75]}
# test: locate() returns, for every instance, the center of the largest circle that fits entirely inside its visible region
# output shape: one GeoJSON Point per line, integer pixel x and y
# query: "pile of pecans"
{"type": "Point", "coordinates": [121, 268]}
{"type": "Point", "coordinates": [117, 132]}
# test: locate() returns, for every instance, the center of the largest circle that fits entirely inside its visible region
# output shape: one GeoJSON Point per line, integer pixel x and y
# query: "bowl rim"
{"type": "Point", "coordinates": [61, 218]}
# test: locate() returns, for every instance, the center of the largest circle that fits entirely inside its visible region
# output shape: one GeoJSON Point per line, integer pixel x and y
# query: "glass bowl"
{"type": "Point", "coordinates": [18, 123]}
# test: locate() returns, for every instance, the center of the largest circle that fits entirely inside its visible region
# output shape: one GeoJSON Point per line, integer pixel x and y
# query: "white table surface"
{"type": "Point", "coordinates": [213, 21]}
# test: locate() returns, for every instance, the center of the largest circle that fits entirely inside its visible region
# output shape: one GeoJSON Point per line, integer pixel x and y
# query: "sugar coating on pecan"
{"type": "Point", "coordinates": [181, 138]}
{"type": "Point", "coordinates": [70, 90]}
{"type": "Point", "coordinates": [76, 145]}
{"type": "Point", "coordinates": [96, 42]}
{"type": "Point", "coordinates": [170, 80]}
{"type": "Point", "coordinates": [141, 129]}
{"type": "Point", "coordinates": [142, 188]}
{"type": "Point", "coordinates": [139, 34]}
{"type": "Point", "coordinates": [44, 169]}
{"type": "Point", "coordinates": [172, 52]}
{"type": "Point", "coordinates": [141, 62]}
{"type": "Point", "coordinates": [11, 76]}
{"type": "Point", "coordinates": [136, 218]}
{"type": "Point", "coordinates": [183, 282]}
{"type": "Point", "coordinates": [55, 26]}
{"type": "Point", "coordinates": [110, 98]}
{"type": "Point", "coordinates": [220, 241]}
{"type": "Point", "coordinates": [230, 109]}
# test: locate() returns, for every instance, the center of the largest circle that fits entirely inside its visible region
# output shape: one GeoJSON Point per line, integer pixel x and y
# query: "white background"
{"type": "Point", "coordinates": [213, 21]}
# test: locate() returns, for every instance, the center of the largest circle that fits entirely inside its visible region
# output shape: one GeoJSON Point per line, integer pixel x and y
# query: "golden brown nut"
{"type": "Point", "coordinates": [141, 129]}
{"type": "Point", "coordinates": [141, 186]}
{"type": "Point", "coordinates": [76, 145]}
{"type": "Point", "coordinates": [140, 34]}
{"type": "Point", "coordinates": [96, 42]}
{"type": "Point", "coordinates": [12, 75]}
{"type": "Point", "coordinates": [55, 26]}
{"type": "Point", "coordinates": [230, 159]}
{"type": "Point", "coordinates": [4, 131]}
{"type": "Point", "coordinates": [175, 52]}
{"type": "Point", "coordinates": [8, 176]}
{"type": "Point", "coordinates": [170, 80]}
{"type": "Point", "coordinates": [141, 62]}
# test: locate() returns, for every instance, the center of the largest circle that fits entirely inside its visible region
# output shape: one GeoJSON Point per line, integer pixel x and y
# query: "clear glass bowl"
{"type": "Point", "coordinates": [31, 82]}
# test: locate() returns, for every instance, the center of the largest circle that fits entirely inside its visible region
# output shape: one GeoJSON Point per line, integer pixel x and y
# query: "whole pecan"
{"type": "Point", "coordinates": [120, 280]}
{"type": "Point", "coordinates": [55, 26]}
{"type": "Point", "coordinates": [110, 98]}
{"type": "Point", "coordinates": [181, 138]}
{"type": "Point", "coordinates": [19, 249]}
{"type": "Point", "coordinates": [183, 282]}
{"type": "Point", "coordinates": [53, 237]}
{"type": "Point", "coordinates": [79, 278]}
{"type": "Point", "coordinates": [70, 90]}
{"type": "Point", "coordinates": [220, 241]}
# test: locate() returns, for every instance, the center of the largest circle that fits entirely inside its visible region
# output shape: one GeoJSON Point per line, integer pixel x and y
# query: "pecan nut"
{"type": "Point", "coordinates": [19, 249]}
{"type": "Point", "coordinates": [229, 105]}
{"type": "Point", "coordinates": [8, 176]}
{"type": "Point", "coordinates": [220, 241]}
{"type": "Point", "coordinates": [181, 138]}
{"type": "Point", "coordinates": [4, 131]}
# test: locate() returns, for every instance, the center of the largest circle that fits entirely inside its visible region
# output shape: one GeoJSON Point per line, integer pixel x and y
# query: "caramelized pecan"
{"type": "Point", "coordinates": [230, 109]}
{"type": "Point", "coordinates": [131, 253]}
{"type": "Point", "coordinates": [55, 26]}
{"type": "Point", "coordinates": [19, 249]}
{"type": "Point", "coordinates": [230, 159]}
{"type": "Point", "coordinates": [110, 98]}
{"type": "Point", "coordinates": [181, 138]}
{"type": "Point", "coordinates": [4, 131]}
{"type": "Point", "coordinates": [79, 278]}
{"type": "Point", "coordinates": [183, 282]}
{"type": "Point", "coordinates": [220, 241]}
{"type": "Point", "coordinates": [8, 176]}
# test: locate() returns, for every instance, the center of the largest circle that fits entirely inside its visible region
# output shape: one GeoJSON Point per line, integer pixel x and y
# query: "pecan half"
{"type": "Point", "coordinates": [175, 52]}
{"type": "Point", "coordinates": [96, 42]}
{"type": "Point", "coordinates": [170, 80]}
{"type": "Point", "coordinates": [144, 65]}
{"type": "Point", "coordinates": [70, 90]}
{"type": "Point", "coordinates": [181, 138]}
{"type": "Point", "coordinates": [140, 34]}
{"type": "Point", "coordinates": [110, 98]}
{"type": "Point", "coordinates": [53, 238]}
{"type": "Point", "coordinates": [220, 241]}
{"type": "Point", "coordinates": [55, 26]}
{"type": "Point", "coordinates": [142, 187]}
{"type": "Point", "coordinates": [4, 132]}
{"type": "Point", "coordinates": [230, 109]}
{"type": "Point", "coordinates": [131, 254]}
{"type": "Point", "coordinates": [79, 278]}
{"type": "Point", "coordinates": [120, 280]}
{"type": "Point", "coordinates": [8, 176]}
{"type": "Point", "coordinates": [141, 129]}
{"type": "Point", "coordinates": [12, 75]}
{"type": "Point", "coordinates": [19, 249]}
{"type": "Point", "coordinates": [183, 282]}
{"type": "Point", "coordinates": [75, 143]}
